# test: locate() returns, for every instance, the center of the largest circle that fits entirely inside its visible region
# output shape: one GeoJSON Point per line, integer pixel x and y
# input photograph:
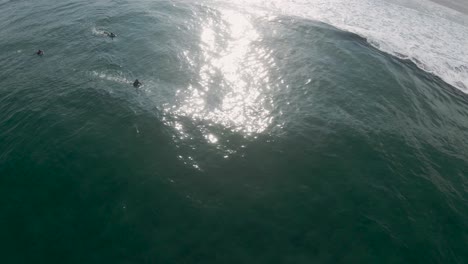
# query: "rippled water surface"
{"type": "Point", "coordinates": [264, 132]}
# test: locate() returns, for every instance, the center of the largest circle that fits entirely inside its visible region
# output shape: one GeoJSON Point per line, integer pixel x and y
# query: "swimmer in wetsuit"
{"type": "Point", "coordinates": [40, 52]}
{"type": "Point", "coordinates": [110, 34]}
{"type": "Point", "coordinates": [136, 83]}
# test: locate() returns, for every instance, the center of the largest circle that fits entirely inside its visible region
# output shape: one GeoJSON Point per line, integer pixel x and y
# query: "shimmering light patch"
{"type": "Point", "coordinates": [189, 161]}
{"type": "Point", "coordinates": [232, 87]}
{"type": "Point", "coordinates": [212, 138]}
{"type": "Point", "coordinates": [208, 37]}
{"type": "Point", "coordinates": [180, 130]}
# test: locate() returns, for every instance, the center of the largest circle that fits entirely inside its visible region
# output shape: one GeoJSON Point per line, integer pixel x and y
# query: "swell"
{"type": "Point", "coordinates": [429, 35]}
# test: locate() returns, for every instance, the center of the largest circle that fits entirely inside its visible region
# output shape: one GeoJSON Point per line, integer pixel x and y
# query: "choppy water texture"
{"type": "Point", "coordinates": [263, 132]}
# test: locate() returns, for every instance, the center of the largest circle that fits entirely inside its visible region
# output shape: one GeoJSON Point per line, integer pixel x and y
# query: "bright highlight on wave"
{"type": "Point", "coordinates": [232, 86]}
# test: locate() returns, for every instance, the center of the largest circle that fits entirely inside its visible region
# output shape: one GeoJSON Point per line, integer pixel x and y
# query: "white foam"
{"type": "Point", "coordinates": [98, 32]}
{"type": "Point", "coordinates": [434, 37]}
{"type": "Point", "coordinates": [114, 77]}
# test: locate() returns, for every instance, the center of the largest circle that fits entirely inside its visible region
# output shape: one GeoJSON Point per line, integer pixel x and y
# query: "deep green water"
{"type": "Point", "coordinates": [256, 138]}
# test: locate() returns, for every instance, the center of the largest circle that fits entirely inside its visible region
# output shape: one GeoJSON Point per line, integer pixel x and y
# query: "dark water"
{"type": "Point", "coordinates": [254, 139]}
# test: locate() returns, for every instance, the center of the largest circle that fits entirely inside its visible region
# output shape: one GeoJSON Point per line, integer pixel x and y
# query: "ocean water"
{"type": "Point", "coordinates": [307, 131]}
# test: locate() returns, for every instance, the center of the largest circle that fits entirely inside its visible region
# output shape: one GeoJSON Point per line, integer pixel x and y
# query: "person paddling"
{"type": "Point", "coordinates": [136, 83]}
{"type": "Point", "coordinates": [110, 34]}
{"type": "Point", "coordinates": [40, 52]}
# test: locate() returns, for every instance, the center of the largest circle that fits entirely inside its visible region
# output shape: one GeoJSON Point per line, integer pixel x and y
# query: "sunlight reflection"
{"type": "Point", "coordinates": [232, 87]}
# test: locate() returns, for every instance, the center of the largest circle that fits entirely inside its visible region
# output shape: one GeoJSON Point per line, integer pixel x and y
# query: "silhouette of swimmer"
{"type": "Point", "coordinates": [136, 83]}
{"type": "Point", "coordinates": [110, 34]}
{"type": "Point", "coordinates": [40, 52]}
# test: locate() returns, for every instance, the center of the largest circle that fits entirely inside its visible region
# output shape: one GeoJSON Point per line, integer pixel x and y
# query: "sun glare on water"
{"type": "Point", "coordinates": [232, 83]}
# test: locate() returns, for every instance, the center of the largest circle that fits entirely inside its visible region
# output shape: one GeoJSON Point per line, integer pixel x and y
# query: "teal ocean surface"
{"type": "Point", "coordinates": [307, 131]}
